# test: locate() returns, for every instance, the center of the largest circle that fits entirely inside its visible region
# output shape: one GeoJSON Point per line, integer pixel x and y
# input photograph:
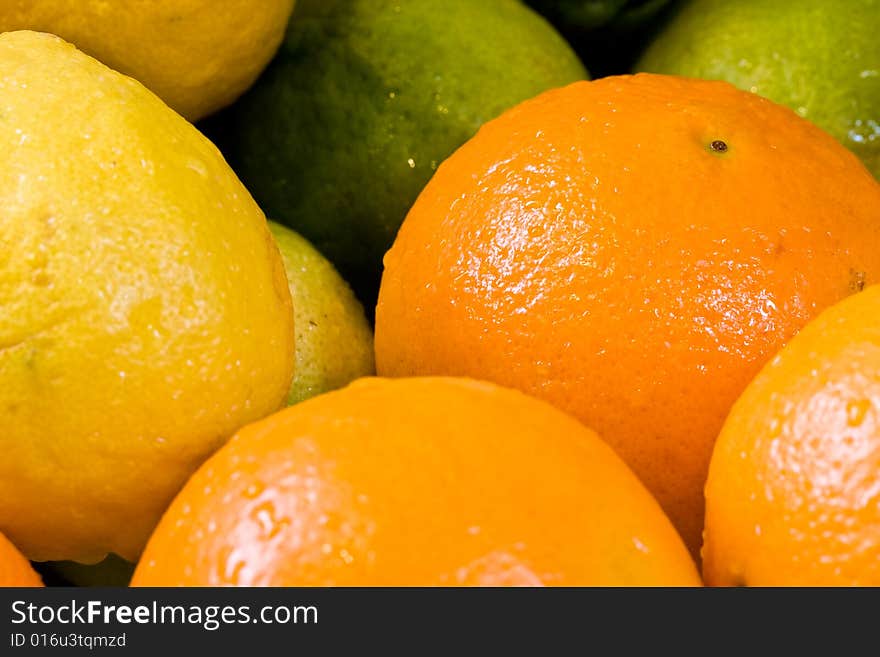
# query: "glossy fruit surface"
{"type": "Point", "coordinates": [367, 97]}
{"type": "Point", "coordinates": [793, 496]}
{"type": "Point", "coordinates": [145, 311]}
{"type": "Point", "coordinates": [632, 250]}
{"type": "Point", "coordinates": [415, 482]}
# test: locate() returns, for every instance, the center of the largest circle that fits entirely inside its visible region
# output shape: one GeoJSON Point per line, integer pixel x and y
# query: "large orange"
{"type": "Point", "coordinates": [793, 496]}
{"type": "Point", "coordinates": [415, 482]}
{"type": "Point", "coordinates": [15, 570]}
{"type": "Point", "coordinates": [632, 250]}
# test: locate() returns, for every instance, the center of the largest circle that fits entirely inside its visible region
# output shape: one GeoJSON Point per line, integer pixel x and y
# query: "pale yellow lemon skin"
{"type": "Point", "coordinates": [197, 55]}
{"type": "Point", "coordinates": [334, 342]}
{"type": "Point", "coordinates": [145, 311]}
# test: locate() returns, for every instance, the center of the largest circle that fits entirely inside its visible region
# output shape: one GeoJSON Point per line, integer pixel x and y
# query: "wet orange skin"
{"type": "Point", "coordinates": [793, 494]}
{"type": "Point", "coordinates": [591, 247]}
{"type": "Point", "coordinates": [415, 482]}
{"type": "Point", "coordinates": [15, 570]}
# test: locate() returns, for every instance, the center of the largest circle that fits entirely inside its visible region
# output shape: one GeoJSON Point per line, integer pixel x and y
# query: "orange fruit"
{"type": "Point", "coordinates": [415, 482]}
{"type": "Point", "coordinates": [632, 250]}
{"type": "Point", "coordinates": [793, 495]}
{"type": "Point", "coordinates": [15, 570]}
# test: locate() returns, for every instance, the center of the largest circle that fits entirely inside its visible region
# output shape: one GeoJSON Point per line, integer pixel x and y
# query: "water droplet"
{"type": "Point", "coordinates": [865, 131]}
{"type": "Point", "coordinates": [199, 167]}
{"type": "Point", "coordinates": [641, 547]}
{"type": "Point", "coordinates": [253, 489]}
{"type": "Point", "coordinates": [230, 566]}
{"type": "Point", "coordinates": [264, 516]}
{"type": "Point", "coordinates": [856, 411]}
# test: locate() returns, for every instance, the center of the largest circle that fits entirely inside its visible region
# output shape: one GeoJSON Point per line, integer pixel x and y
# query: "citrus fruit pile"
{"type": "Point", "coordinates": [513, 320]}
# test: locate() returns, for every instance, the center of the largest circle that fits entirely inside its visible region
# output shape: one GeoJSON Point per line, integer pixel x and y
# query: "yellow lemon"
{"type": "Point", "coordinates": [197, 55]}
{"type": "Point", "coordinates": [144, 310]}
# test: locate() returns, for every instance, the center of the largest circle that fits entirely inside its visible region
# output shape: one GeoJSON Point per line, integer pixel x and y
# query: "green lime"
{"type": "Point", "coordinates": [820, 58]}
{"type": "Point", "coordinates": [367, 97]}
{"type": "Point", "coordinates": [334, 343]}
